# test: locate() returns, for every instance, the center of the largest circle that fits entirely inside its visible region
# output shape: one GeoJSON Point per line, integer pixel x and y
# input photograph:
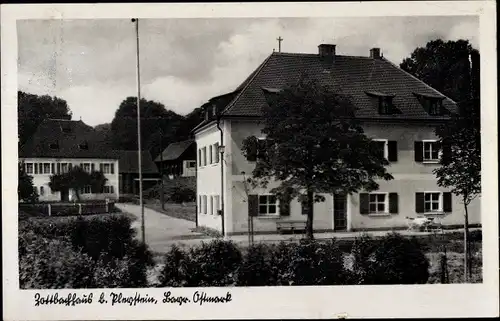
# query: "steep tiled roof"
{"type": "Point", "coordinates": [129, 160]}
{"type": "Point", "coordinates": [67, 139]}
{"type": "Point", "coordinates": [175, 150]}
{"type": "Point", "coordinates": [352, 76]}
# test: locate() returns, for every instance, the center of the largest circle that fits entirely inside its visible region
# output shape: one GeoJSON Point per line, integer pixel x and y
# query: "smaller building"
{"type": "Point", "coordinates": [178, 159]}
{"type": "Point", "coordinates": [57, 146]}
{"type": "Point", "coordinates": [129, 171]}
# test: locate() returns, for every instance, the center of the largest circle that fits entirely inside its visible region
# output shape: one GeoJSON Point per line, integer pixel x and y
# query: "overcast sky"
{"type": "Point", "coordinates": [185, 62]}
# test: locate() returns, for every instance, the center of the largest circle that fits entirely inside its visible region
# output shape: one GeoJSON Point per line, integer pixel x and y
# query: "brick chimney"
{"type": "Point", "coordinates": [375, 53]}
{"type": "Point", "coordinates": [327, 51]}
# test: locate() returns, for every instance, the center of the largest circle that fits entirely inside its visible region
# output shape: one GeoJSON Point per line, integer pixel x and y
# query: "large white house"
{"type": "Point", "coordinates": [393, 107]}
{"type": "Point", "coordinates": [57, 146]}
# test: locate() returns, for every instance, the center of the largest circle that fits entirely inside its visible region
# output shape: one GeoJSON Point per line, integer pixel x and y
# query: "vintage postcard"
{"type": "Point", "coordinates": [249, 161]}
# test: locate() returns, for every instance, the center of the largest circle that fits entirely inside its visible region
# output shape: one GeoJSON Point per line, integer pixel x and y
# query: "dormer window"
{"type": "Point", "coordinates": [54, 146]}
{"type": "Point", "coordinates": [432, 104]}
{"type": "Point", "coordinates": [385, 102]}
{"type": "Point", "coordinates": [84, 146]}
{"type": "Point", "coordinates": [385, 105]}
{"type": "Point", "coordinates": [214, 110]}
{"type": "Point", "coordinates": [66, 129]}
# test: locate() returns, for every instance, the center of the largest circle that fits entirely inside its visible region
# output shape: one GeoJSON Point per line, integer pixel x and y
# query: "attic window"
{"type": "Point", "coordinates": [84, 146]}
{"type": "Point", "coordinates": [214, 110]}
{"type": "Point", "coordinates": [54, 146]}
{"type": "Point", "coordinates": [385, 102]}
{"type": "Point", "coordinates": [431, 103]}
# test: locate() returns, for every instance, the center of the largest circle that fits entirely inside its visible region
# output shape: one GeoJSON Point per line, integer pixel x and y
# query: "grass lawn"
{"type": "Point", "coordinates": [186, 212]}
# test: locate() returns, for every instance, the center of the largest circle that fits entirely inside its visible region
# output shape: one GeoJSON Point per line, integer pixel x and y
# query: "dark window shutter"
{"type": "Point", "coordinates": [364, 205]}
{"type": "Point", "coordinates": [446, 149]}
{"type": "Point", "coordinates": [419, 151]}
{"type": "Point", "coordinates": [419, 203]}
{"type": "Point", "coordinates": [112, 168]}
{"type": "Point", "coordinates": [112, 189]}
{"type": "Point", "coordinates": [393, 203]}
{"type": "Point", "coordinates": [393, 151]}
{"type": "Point", "coordinates": [70, 166]}
{"type": "Point", "coordinates": [447, 202]}
{"type": "Point", "coordinates": [252, 152]}
{"type": "Point", "coordinates": [92, 167]}
{"type": "Point", "coordinates": [36, 168]}
{"type": "Point", "coordinates": [253, 205]}
{"type": "Point", "coordinates": [40, 168]}
{"type": "Point", "coordinates": [284, 206]}
{"type": "Point", "coordinates": [53, 168]}
{"type": "Point", "coordinates": [58, 168]}
{"type": "Point", "coordinates": [101, 167]}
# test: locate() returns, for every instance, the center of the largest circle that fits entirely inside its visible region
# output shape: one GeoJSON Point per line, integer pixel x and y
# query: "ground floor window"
{"type": "Point", "coordinates": [432, 202]}
{"type": "Point", "coordinates": [29, 168]}
{"type": "Point", "coordinates": [109, 189]}
{"type": "Point", "coordinates": [377, 203]}
{"type": "Point", "coordinates": [268, 205]}
{"type": "Point", "coordinates": [42, 191]}
{"type": "Point", "coordinates": [204, 204]}
{"type": "Point", "coordinates": [86, 190]}
{"type": "Point", "coordinates": [216, 204]}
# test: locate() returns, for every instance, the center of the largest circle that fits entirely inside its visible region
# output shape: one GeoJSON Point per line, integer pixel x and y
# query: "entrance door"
{"type": "Point", "coordinates": [339, 212]}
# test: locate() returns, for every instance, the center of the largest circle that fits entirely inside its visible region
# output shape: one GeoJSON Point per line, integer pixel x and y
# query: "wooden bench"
{"type": "Point", "coordinates": [290, 226]}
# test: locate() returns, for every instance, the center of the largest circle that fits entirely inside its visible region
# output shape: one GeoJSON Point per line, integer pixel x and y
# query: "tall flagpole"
{"type": "Point", "coordinates": [139, 149]}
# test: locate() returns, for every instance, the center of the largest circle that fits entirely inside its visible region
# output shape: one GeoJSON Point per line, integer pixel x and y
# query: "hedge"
{"type": "Point", "coordinates": [72, 209]}
{"type": "Point", "coordinates": [81, 253]}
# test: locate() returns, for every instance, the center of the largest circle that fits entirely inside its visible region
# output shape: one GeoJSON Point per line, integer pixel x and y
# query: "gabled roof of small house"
{"type": "Point", "coordinates": [129, 162]}
{"type": "Point", "coordinates": [354, 76]}
{"type": "Point", "coordinates": [175, 150]}
{"type": "Point", "coordinates": [67, 139]}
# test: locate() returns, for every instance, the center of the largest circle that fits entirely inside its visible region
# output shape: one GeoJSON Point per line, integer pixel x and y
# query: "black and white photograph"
{"type": "Point", "coordinates": [181, 161]}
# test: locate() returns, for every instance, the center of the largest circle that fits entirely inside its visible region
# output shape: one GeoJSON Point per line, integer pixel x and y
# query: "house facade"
{"type": "Point", "coordinates": [395, 108]}
{"type": "Point", "coordinates": [178, 159]}
{"type": "Point", "coordinates": [59, 145]}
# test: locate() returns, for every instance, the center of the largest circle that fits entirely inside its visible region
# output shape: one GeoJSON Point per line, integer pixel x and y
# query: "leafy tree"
{"type": "Point", "coordinates": [444, 66]}
{"type": "Point", "coordinates": [76, 179]}
{"type": "Point", "coordinates": [314, 145]}
{"type": "Point", "coordinates": [33, 109]}
{"type": "Point", "coordinates": [25, 190]}
{"type": "Point", "coordinates": [156, 123]}
{"type": "Point", "coordinates": [460, 169]}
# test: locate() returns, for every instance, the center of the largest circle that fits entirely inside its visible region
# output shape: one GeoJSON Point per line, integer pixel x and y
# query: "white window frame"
{"type": "Point", "coordinates": [85, 188]}
{"type": "Point", "coordinates": [90, 167]}
{"type": "Point", "coordinates": [204, 155]}
{"type": "Point", "coordinates": [440, 202]}
{"type": "Point", "coordinates": [386, 146]}
{"type": "Point", "coordinates": [32, 168]}
{"type": "Point", "coordinates": [190, 164]}
{"type": "Point", "coordinates": [204, 197]}
{"type": "Point", "coordinates": [386, 204]}
{"type": "Point", "coordinates": [267, 204]}
{"type": "Point", "coordinates": [64, 170]}
{"type": "Point", "coordinates": [211, 154]}
{"type": "Point", "coordinates": [431, 160]}
{"type": "Point", "coordinates": [216, 204]}
{"type": "Point", "coordinates": [43, 166]}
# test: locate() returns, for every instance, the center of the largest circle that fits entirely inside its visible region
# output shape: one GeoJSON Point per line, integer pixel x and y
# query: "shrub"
{"type": "Point", "coordinates": [214, 264]}
{"type": "Point", "coordinates": [309, 263]}
{"type": "Point", "coordinates": [53, 264]}
{"type": "Point", "coordinates": [175, 272]}
{"type": "Point", "coordinates": [257, 266]}
{"type": "Point", "coordinates": [362, 258]}
{"type": "Point", "coordinates": [397, 260]}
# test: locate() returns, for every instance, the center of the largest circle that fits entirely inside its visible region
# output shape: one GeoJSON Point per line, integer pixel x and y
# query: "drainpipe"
{"type": "Point", "coordinates": [221, 175]}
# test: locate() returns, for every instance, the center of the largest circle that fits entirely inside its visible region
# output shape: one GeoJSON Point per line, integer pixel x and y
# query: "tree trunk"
{"type": "Point", "coordinates": [310, 206]}
{"type": "Point", "coordinates": [466, 245]}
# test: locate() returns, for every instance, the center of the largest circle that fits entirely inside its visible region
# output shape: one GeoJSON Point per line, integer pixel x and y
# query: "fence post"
{"type": "Point", "coordinates": [80, 208]}
{"type": "Point", "coordinates": [50, 209]}
{"type": "Point", "coordinates": [107, 205]}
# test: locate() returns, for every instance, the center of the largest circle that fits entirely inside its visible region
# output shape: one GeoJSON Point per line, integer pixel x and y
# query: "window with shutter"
{"type": "Point", "coordinates": [392, 151]}
{"type": "Point", "coordinates": [36, 168]}
{"type": "Point", "coordinates": [364, 203]}
{"type": "Point", "coordinates": [92, 167]}
{"type": "Point", "coordinates": [377, 203]}
{"type": "Point", "coordinates": [431, 151]}
{"type": "Point", "coordinates": [58, 168]}
{"type": "Point", "coordinates": [210, 153]}
{"type": "Point", "coordinates": [112, 168]}
{"type": "Point", "coordinates": [447, 202]}
{"type": "Point", "coordinates": [199, 158]}
{"type": "Point", "coordinates": [381, 147]}
{"type": "Point", "coordinates": [419, 151]}
{"type": "Point", "coordinates": [52, 168]}
{"type": "Point", "coordinates": [419, 202]}
{"type": "Point", "coordinates": [252, 152]}
{"type": "Point", "coordinates": [393, 203]}
{"type": "Point", "coordinates": [253, 205]}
